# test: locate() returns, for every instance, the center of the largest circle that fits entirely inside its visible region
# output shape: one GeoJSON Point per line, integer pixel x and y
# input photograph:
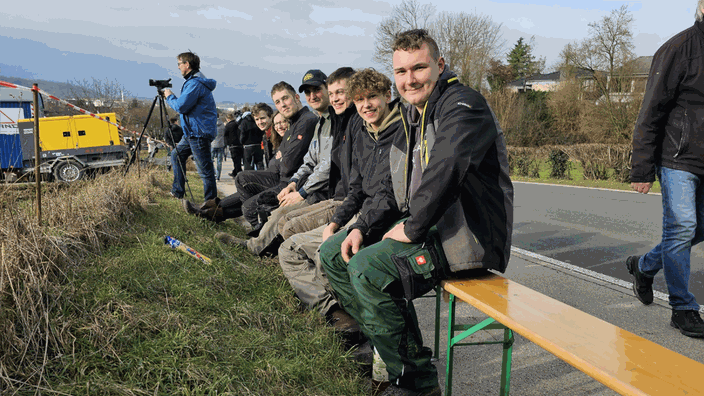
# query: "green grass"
{"type": "Point", "coordinates": [149, 320]}
{"type": "Point", "coordinates": [576, 178]}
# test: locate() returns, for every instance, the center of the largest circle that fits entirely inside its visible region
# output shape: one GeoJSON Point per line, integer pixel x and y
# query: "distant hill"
{"type": "Point", "coordinates": [61, 90]}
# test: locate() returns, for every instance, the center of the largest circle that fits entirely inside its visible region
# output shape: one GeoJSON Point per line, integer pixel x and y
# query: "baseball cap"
{"type": "Point", "coordinates": [313, 77]}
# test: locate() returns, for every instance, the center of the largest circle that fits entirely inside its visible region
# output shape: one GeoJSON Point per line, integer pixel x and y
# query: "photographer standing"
{"type": "Point", "coordinates": [199, 122]}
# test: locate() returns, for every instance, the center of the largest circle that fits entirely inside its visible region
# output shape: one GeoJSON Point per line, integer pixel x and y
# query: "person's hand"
{"type": "Point", "coordinates": [285, 191]}
{"type": "Point", "coordinates": [167, 93]}
{"type": "Point", "coordinates": [398, 233]}
{"type": "Point", "coordinates": [290, 199]}
{"type": "Point", "coordinates": [642, 187]}
{"type": "Point", "coordinates": [278, 155]}
{"type": "Point", "coordinates": [350, 246]}
{"type": "Point", "coordinates": [330, 230]}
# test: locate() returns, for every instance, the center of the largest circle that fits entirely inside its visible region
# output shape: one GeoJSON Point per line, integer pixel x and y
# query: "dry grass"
{"type": "Point", "coordinates": [78, 221]}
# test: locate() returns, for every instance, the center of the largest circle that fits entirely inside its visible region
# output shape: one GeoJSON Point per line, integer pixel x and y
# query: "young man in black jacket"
{"type": "Point", "coordinates": [669, 142]}
{"type": "Point", "coordinates": [251, 139]}
{"type": "Point", "coordinates": [450, 189]}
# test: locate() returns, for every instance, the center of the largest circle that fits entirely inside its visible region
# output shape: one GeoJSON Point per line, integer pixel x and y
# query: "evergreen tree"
{"type": "Point", "coordinates": [522, 61]}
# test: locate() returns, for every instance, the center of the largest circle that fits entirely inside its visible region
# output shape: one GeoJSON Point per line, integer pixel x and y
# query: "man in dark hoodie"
{"type": "Point", "coordinates": [199, 118]}
{"type": "Point", "coordinates": [450, 188]}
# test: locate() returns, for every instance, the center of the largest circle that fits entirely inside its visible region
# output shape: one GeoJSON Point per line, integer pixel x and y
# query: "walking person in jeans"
{"type": "Point", "coordinates": [199, 118]}
{"type": "Point", "coordinates": [669, 142]}
{"type": "Point", "coordinates": [218, 149]}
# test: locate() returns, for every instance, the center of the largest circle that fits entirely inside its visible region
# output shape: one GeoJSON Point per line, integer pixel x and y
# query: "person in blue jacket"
{"type": "Point", "coordinates": [199, 122]}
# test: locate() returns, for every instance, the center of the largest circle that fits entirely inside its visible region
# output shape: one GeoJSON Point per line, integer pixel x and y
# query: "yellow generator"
{"type": "Point", "coordinates": [70, 145]}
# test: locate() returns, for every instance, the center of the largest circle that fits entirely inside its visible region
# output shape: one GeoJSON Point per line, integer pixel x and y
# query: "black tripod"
{"type": "Point", "coordinates": [160, 85]}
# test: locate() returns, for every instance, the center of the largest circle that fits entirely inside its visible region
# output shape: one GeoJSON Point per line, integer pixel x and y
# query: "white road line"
{"type": "Point", "coordinates": [547, 261]}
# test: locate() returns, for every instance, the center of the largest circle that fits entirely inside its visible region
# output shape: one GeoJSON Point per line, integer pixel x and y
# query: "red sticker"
{"type": "Point", "coordinates": [420, 260]}
{"type": "Point", "coordinates": [300, 137]}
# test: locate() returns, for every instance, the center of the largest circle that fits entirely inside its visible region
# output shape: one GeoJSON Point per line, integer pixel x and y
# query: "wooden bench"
{"type": "Point", "coordinates": [623, 361]}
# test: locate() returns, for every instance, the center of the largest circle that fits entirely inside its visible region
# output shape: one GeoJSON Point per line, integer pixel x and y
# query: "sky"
{"type": "Point", "coordinates": [248, 46]}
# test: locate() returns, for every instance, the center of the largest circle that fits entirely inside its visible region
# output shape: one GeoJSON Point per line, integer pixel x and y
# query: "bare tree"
{"type": "Point", "coordinates": [608, 49]}
{"type": "Point", "coordinates": [99, 95]}
{"type": "Point", "coordinates": [468, 42]}
{"type": "Point", "coordinates": [607, 55]}
{"type": "Point", "coordinates": [410, 14]}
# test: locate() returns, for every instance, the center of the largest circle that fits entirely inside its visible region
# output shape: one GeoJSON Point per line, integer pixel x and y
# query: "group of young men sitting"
{"type": "Point", "coordinates": [380, 200]}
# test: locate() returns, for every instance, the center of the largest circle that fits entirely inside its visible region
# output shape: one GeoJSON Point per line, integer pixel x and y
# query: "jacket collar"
{"type": "Point", "coordinates": [298, 114]}
{"type": "Point", "coordinates": [700, 26]}
{"type": "Point", "coordinates": [447, 78]}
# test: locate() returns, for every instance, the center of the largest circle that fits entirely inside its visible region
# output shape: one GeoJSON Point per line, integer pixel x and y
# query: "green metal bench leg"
{"type": "Point", "coordinates": [468, 330]}
{"type": "Point", "coordinates": [506, 362]}
{"type": "Point", "coordinates": [438, 297]}
{"type": "Point", "coordinates": [450, 346]}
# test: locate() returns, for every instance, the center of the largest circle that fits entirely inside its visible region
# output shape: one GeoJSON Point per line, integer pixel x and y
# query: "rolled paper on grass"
{"type": "Point", "coordinates": [178, 245]}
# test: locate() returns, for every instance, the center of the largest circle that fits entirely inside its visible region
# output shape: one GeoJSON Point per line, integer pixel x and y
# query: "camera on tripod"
{"type": "Point", "coordinates": [160, 84]}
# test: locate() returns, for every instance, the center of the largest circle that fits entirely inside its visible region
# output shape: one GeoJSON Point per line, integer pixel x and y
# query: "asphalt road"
{"type": "Point", "coordinates": [594, 229]}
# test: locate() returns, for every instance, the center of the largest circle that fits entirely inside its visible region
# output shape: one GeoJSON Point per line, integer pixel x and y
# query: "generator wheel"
{"type": "Point", "coordinates": [68, 171]}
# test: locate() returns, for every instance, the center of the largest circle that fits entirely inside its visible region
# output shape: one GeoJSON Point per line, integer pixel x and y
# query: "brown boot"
{"type": "Point", "coordinates": [231, 240]}
{"type": "Point", "coordinates": [210, 210]}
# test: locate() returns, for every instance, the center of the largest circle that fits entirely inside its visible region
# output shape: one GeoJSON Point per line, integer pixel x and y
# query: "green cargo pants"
{"type": "Point", "coordinates": [378, 296]}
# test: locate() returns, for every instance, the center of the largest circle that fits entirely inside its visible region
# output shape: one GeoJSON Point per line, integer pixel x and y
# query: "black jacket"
{"type": "Point", "coordinates": [296, 140]}
{"type": "Point", "coordinates": [176, 134]}
{"type": "Point", "coordinates": [341, 154]}
{"type": "Point", "coordinates": [232, 134]}
{"type": "Point", "coordinates": [465, 189]}
{"type": "Point", "coordinates": [370, 192]}
{"type": "Point", "coordinates": [249, 131]}
{"type": "Point", "coordinates": [670, 128]}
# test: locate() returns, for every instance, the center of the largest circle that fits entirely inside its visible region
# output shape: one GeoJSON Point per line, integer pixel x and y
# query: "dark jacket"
{"type": "Point", "coordinates": [370, 191]}
{"type": "Point", "coordinates": [341, 154]}
{"type": "Point", "coordinates": [267, 146]}
{"type": "Point", "coordinates": [296, 140]}
{"type": "Point", "coordinates": [465, 189]}
{"type": "Point", "coordinates": [670, 128]}
{"type": "Point", "coordinates": [175, 135]}
{"type": "Point", "coordinates": [196, 106]}
{"type": "Point", "coordinates": [232, 134]}
{"type": "Point", "coordinates": [249, 131]}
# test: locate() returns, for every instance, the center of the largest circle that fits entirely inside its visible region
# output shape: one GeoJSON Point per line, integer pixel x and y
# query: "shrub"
{"type": "Point", "coordinates": [524, 161]}
{"type": "Point", "coordinates": [559, 164]}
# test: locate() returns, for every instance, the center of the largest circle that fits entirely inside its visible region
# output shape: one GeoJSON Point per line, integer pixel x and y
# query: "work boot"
{"type": "Point", "coordinates": [345, 326]}
{"type": "Point", "coordinates": [364, 355]}
{"type": "Point", "coordinates": [189, 207]}
{"type": "Point", "coordinates": [210, 210]}
{"type": "Point", "coordinates": [394, 390]}
{"type": "Point", "coordinates": [231, 240]}
{"type": "Point", "coordinates": [688, 322]}
{"type": "Point", "coordinates": [642, 284]}
{"type": "Point", "coordinates": [342, 322]}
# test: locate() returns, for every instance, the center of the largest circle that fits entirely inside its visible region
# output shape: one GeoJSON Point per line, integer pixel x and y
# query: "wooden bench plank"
{"type": "Point", "coordinates": [621, 360]}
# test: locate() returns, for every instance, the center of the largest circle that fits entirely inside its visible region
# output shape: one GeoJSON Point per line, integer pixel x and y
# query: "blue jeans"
{"type": "Point", "coordinates": [199, 147]}
{"type": "Point", "coordinates": [682, 228]}
{"type": "Point", "coordinates": [218, 154]}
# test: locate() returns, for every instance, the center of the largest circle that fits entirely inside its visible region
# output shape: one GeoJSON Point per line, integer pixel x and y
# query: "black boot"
{"type": "Point", "coordinates": [688, 322]}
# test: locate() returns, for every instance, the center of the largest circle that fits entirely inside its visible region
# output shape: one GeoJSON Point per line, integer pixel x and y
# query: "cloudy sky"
{"type": "Point", "coordinates": [247, 46]}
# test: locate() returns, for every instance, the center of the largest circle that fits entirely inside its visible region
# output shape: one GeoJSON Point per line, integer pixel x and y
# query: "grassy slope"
{"type": "Point", "coordinates": [151, 320]}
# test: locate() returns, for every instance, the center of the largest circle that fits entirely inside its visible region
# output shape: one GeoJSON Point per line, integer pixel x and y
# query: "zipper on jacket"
{"type": "Point", "coordinates": [684, 136]}
{"type": "Point", "coordinates": [405, 163]}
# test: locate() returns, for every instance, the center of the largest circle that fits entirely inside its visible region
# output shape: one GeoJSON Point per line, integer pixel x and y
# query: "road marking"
{"type": "Point", "coordinates": [586, 187]}
{"type": "Point", "coordinates": [543, 260]}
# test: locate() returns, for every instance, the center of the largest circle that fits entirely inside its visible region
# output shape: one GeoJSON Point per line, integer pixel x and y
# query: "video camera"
{"type": "Point", "coordinates": [160, 84]}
